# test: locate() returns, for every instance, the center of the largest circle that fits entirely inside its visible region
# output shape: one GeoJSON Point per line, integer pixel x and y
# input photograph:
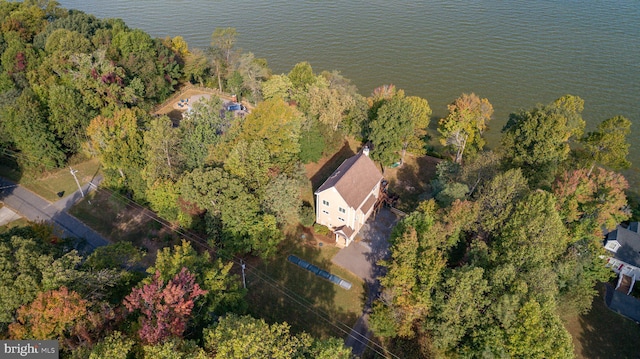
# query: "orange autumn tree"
{"type": "Point", "coordinates": [53, 314]}
{"type": "Point", "coordinates": [590, 200]}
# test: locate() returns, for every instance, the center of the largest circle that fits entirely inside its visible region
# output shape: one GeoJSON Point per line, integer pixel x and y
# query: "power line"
{"type": "Point", "coordinates": [203, 243]}
{"type": "Point", "coordinates": [292, 295]}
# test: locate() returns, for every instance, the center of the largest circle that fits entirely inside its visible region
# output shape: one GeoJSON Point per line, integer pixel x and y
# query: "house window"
{"type": "Point", "coordinates": [342, 219]}
{"type": "Point", "coordinates": [612, 246]}
{"type": "Point", "coordinates": [342, 210]}
{"type": "Point", "coordinates": [325, 212]}
{"type": "Point", "coordinates": [326, 203]}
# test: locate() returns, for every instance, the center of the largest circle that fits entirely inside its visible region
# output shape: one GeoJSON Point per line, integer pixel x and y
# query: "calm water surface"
{"type": "Point", "coordinates": [516, 53]}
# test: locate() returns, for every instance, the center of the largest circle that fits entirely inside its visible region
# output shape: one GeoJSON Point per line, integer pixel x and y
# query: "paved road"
{"type": "Point", "coordinates": [36, 208]}
{"type": "Point", "coordinates": [361, 259]}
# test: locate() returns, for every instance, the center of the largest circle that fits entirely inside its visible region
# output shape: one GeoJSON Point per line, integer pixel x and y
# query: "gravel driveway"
{"type": "Point", "coordinates": [361, 257]}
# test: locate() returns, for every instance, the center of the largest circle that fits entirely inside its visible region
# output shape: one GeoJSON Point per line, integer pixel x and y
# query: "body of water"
{"type": "Point", "coordinates": [515, 53]}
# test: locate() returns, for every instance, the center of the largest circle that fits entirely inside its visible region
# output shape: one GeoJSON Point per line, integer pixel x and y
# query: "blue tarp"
{"type": "Point", "coordinates": [319, 272]}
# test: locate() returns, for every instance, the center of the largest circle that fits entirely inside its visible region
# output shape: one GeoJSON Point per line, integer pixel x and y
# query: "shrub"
{"type": "Point", "coordinates": [307, 216]}
{"type": "Point", "coordinates": [320, 229]}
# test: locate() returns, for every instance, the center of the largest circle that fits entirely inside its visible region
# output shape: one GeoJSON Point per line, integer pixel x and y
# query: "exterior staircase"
{"type": "Point", "coordinates": [625, 283]}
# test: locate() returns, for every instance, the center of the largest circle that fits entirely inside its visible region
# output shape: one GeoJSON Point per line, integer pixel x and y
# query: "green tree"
{"type": "Point", "coordinates": [329, 104]}
{"type": "Point", "coordinates": [100, 81]}
{"type": "Point", "coordinates": [399, 124]}
{"type": "Point", "coordinates": [462, 129]}
{"type": "Point", "coordinates": [277, 86]}
{"type": "Point", "coordinates": [538, 140]}
{"type": "Point", "coordinates": [608, 144]}
{"type": "Point", "coordinates": [479, 170]}
{"type": "Point", "coordinates": [29, 266]}
{"type": "Point", "coordinates": [284, 208]}
{"type": "Point", "coordinates": [69, 116]}
{"type": "Point", "coordinates": [163, 159]}
{"type": "Point", "coordinates": [458, 308]}
{"type": "Point", "coordinates": [163, 199]}
{"type": "Point", "coordinates": [356, 120]}
{"type": "Point", "coordinates": [420, 116]}
{"type": "Point", "coordinates": [539, 333]}
{"type": "Point", "coordinates": [497, 200]}
{"type": "Point", "coordinates": [18, 56]}
{"type": "Point", "coordinates": [239, 223]}
{"type": "Point", "coordinates": [579, 269]}
{"type": "Point", "coordinates": [332, 348]}
{"type": "Point", "coordinates": [174, 349]}
{"type": "Point", "coordinates": [452, 192]}
{"type": "Point", "coordinates": [214, 276]}
{"type": "Point", "coordinates": [301, 76]}
{"type": "Point", "coordinates": [224, 39]}
{"type": "Point", "coordinates": [250, 162]}
{"type": "Point", "coordinates": [278, 125]}
{"type": "Point", "coordinates": [312, 142]}
{"type": "Point", "coordinates": [419, 246]}
{"type": "Point", "coordinates": [118, 141]}
{"type": "Point", "coordinates": [197, 67]}
{"type": "Point", "coordinates": [63, 42]}
{"type": "Point", "coordinates": [117, 255]}
{"type": "Point", "coordinates": [253, 72]}
{"type": "Point", "coordinates": [534, 235]}
{"type": "Point", "coordinates": [246, 337]}
{"type": "Point", "coordinates": [114, 346]}
{"type": "Point", "coordinates": [200, 130]}
{"type": "Point", "coordinates": [28, 129]}
{"type": "Point", "coordinates": [390, 130]}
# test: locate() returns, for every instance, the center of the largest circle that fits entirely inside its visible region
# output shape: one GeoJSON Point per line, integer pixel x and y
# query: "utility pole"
{"type": "Point", "coordinates": [244, 282]}
{"type": "Point", "coordinates": [73, 173]}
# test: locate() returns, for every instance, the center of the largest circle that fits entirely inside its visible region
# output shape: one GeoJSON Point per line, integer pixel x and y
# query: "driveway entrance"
{"type": "Point", "coordinates": [361, 257]}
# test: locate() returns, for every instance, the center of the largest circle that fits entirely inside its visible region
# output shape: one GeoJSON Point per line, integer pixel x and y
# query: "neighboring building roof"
{"type": "Point", "coordinates": [354, 179]}
{"type": "Point", "coordinates": [629, 240]}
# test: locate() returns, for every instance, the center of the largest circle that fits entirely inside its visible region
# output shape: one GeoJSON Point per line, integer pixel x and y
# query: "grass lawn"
{"type": "Point", "coordinates": [117, 220]}
{"type": "Point", "coordinates": [602, 333]}
{"type": "Point", "coordinates": [49, 184]}
{"type": "Point", "coordinates": [268, 302]}
{"type": "Point", "coordinates": [21, 222]}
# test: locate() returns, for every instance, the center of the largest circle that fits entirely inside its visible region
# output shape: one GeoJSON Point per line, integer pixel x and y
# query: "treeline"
{"type": "Point", "coordinates": [187, 305]}
{"type": "Point", "coordinates": [75, 86]}
{"type": "Point", "coordinates": [62, 68]}
{"type": "Point", "coordinates": [512, 238]}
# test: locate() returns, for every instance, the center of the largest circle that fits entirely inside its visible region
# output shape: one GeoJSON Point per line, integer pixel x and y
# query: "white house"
{"type": "Point", "coordinates": [623, 245]}
{"type": "Point", "coordinates": [348, 197]}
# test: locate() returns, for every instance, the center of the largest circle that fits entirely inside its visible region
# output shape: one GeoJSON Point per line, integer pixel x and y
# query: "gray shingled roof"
{"type": "Point", "coordinates": [354, 179]}
{"type": "Point", "coordinates": [629, 240]}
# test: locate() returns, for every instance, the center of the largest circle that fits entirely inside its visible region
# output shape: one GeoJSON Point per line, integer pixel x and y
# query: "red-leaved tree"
{"type": "Point", "coordinates": [165, 308]}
